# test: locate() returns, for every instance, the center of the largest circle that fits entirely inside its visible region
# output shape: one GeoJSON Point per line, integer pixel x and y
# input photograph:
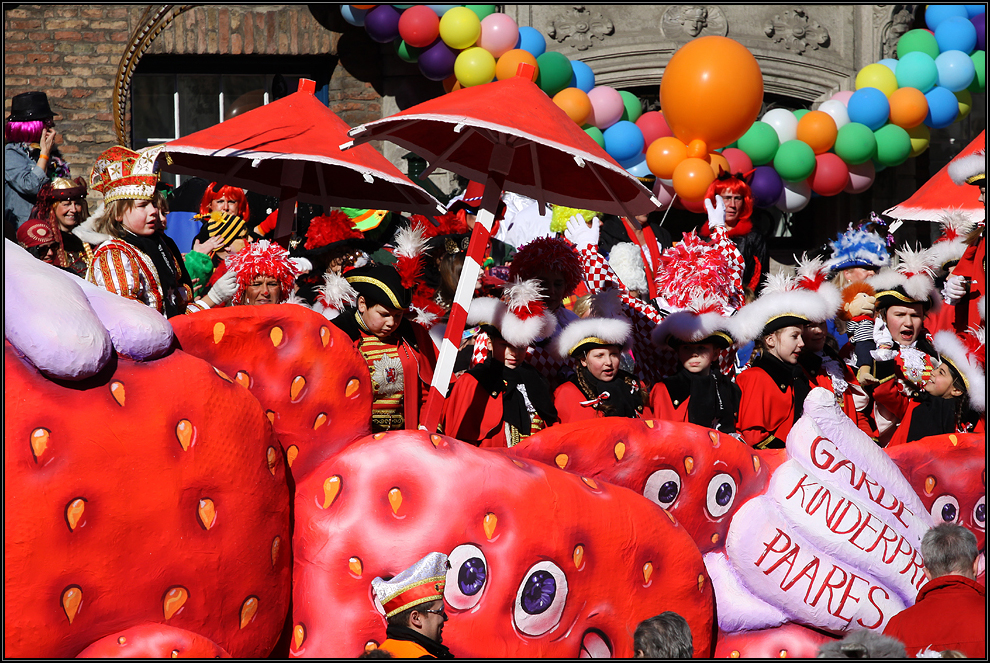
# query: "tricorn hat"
{"type": "Point", "coordinates": [29, 107]}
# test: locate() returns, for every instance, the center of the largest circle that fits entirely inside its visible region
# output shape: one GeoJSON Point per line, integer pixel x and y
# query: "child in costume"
{"type": "Point", "coordinates": [598, 387]}
{"type": "Point", "coordinates": [968, 283]}
{"type": "Point", "coordinates": [399, 352]}
{"type": "Point", "coordinates": [138, 261]}
{"type": "Point", "coordinates": [698, 392]}
{"type": "Point", "coordinates": [503, 400]}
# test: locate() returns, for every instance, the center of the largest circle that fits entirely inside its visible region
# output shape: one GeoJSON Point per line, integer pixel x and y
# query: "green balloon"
{"type": "Point", "coordinates": [760, 143]}
{"type": "Point", "coordinates": [979, 83]}
{"type": "Point", "coordinates": [917, 40]}
{"type": "Point", "coordinates": [794, 161]}
{"type": "Point", "coordinates": [595, 133]}
{"type": "Point", "coordinates": [406, 52]}
{"type": "Point", "coordinates": [555, 72]}
{"type": "Point", "coordinates": [917, 70]}
{"type": "Point", "coordinates": [633, 109]}
{"type": "Point", "coordinates": [801, 112]}
{"type": "Point", "coordinates": [893, 145]}
{"type": "Point", "coordinates": [856, 144]}
{"type": "Point", "coordinates": [482, 10]}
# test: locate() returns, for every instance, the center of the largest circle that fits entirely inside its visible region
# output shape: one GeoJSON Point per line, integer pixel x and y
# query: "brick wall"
{"type": "Point", "coordinates": [72, 52]}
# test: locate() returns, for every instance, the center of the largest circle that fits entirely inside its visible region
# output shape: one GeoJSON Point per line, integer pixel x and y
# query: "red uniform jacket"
{"type": "Point", "coordinates": [950, 613]}
{"type": "Point", "coordinates": [935, 416]}
{"type": "Point", "coordinates": [568, 398]}
{"type": "Point", "coordinates": [766, 409]}
{"type": "Point", "coordinates": [819, 377]}
{"type": "Point", "coordinates": [665, 409]}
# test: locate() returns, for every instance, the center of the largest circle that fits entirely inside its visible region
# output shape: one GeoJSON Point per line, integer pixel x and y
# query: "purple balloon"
{"type": "Point", "coordinates": [437, 61]}
{"type": "Point", "coordinates": [382, 23]}
{"type": "Point", "coordinates": [980, 23]}
{"type": "Point", "coordinates": [766, 186]}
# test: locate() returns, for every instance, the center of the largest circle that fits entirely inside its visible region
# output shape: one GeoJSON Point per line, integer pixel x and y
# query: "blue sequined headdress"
{"type": "Point", "coordinates": [858, 247]}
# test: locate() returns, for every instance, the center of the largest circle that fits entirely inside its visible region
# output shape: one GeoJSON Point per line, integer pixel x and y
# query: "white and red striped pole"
{"type": "Point", "coordinates": [498, 166]}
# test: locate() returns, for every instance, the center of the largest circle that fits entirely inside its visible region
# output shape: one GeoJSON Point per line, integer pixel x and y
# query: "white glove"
{"type": "Point", "coordinates": [303, 265]}
{"type": "Point", "coordinates": [224, 288]}
{"type": "Point", "coordinates": [579, 232]}
{"type": "Point", "coordinates": [954, 289]}
{"type": "Point", "coordinates": [716, 214]}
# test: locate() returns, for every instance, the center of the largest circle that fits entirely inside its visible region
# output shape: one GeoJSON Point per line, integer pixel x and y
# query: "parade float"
{"type": "Point", "coordinates": [170, 485]}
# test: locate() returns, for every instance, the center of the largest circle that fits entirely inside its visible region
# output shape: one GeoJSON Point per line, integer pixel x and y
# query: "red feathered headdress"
{"type": "Point", "coordinates": [263, 258]}
{"type": "Point", "coordinates": [329, 228]}
{"type": "Point", "coordinates": [553, 254]}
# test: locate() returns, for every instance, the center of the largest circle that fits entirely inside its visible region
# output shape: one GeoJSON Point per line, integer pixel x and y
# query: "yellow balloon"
{"type": "Point", "coordinates": [879, 76]}
{"type": "Point", "coordinates": [474, 66]}
{"type": "Point", "coordinates": [460, 28]}
{"type": "Point", "coordinates": [965, 103]}
{"type": "Point", "coordinates": [921, 136]}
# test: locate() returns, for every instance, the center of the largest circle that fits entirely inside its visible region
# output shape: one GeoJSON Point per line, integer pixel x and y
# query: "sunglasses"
{"type": "Point", "coordinates": [441, 612]}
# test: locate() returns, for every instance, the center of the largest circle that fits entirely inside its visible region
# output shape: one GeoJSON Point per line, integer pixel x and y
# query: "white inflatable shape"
{"type": "Point", "coordinates": [847, 528]}
{"type": "Point", "coordinates": [814, 586]}
{"type": "Point", "coordinates": [855, 446]}
{"type": "Point", "coordinates": [738, 609]}
{"type": "Point", "coordinates": [138, 331]}
{"type": "Point", "coordinates": [49, 319]}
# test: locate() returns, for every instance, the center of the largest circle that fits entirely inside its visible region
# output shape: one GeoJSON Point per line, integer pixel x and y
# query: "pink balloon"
{"type": "Point", "coordinates": [499, 34]}
{"type": "Point", "coordinates": [606, 106]}
{"type": "Point", "coordinates": [739, 161]}
{"type": "Point", "coordinates": [664, 193]}
{"type": "Point", "coordinates": [653, 126]}
{"type": "Point", "coordinates": [843, 97]}
{"type": "Point", "coordinates": [860, 177]}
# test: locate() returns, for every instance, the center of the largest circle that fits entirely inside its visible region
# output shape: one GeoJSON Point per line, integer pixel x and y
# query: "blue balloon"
{"type": "Point", "coordinates": [935, 14]}
{"type": "Point", "coordinates": [624, 141]}
{"type": "Point", "coordinates": [955, 70]}
{"type": "Point", "coordinates": [531, 40]}
{"type": "Point", "coordinates": [584, 78]}
{"type": "Point", "coordinates": [956, 34]}
{"type": "Point", "coordinates": [869, 106]}
{"type": "Point", "coordinates": [353, 16]}
{"type": "Point", "coordinates": [639, 169]}
{"type": "Point", "coordinates": [975, 10]}
{"type": "Point", "coordinates": [440, 10]}
{"type": "Point", "coordinates": [890, 63]}
{"type": "Point", "coordinates": [943, 107]}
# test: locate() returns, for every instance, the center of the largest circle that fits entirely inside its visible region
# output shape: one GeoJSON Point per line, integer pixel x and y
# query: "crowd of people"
{"type": "Point", "coordinates": [563, 327]}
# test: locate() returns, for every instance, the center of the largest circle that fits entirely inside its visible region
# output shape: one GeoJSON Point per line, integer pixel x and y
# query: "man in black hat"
{"type": "Point", "coordinates": [30, 158]}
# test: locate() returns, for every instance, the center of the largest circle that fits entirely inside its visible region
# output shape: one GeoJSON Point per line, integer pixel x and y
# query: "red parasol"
{"type": "Point", "coordinates": [510, 135]}
{"type": "Point", "coordinates": [941, 193]}
{"type": "Point", "coordinates": [289, 149]}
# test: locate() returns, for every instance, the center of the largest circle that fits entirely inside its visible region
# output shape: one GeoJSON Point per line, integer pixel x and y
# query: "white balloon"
{"type": "Point", "coordinates": [783, 122]}
{"type": "Point", "coordinates": [795, 196]}
{"type": "Point", "coordinates": [837, 110]}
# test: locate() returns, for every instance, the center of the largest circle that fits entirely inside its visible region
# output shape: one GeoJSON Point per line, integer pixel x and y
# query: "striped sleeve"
{"type": "Point", "coordinates": [114, 270]}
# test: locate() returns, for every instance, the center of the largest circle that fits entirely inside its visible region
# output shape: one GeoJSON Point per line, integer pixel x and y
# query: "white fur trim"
{"type": "Point", "coordinates": [626, 260]}
{"type": "Point", "coordinates": [965, 167]}
{"type": "Point", "coordinates": [522, 333]}
{"type": "Point", "coordinates": [689, 326]}
{"type": "Point", "coordinates": [747, 324]}
{"type": "Point", "coordinates": [614, 331]}
{"type": "Point", "coordinates": [86, 231]}
{"type": "Point", "coordinates": [950, 346]}
{"type": "Point", "coordinates": [485, 310]}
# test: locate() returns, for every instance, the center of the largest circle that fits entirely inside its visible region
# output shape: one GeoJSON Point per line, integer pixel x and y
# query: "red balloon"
{"type": "Point", "coordinates": [696, 206]}
{"type": "Point", "coordinates": [831, 174]}
{"type": "Point", "coordinates": [419, 26]}
{"type": "Point", "coordinates": [739, 161]}
{"type": "Point", "coordinates": [653, 126]}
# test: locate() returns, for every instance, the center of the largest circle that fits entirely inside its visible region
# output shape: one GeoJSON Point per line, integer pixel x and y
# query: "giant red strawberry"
{"type": "Point", "coordinates": [150, 492]}
{"type": "Point", "coordinates": [543, 563]}
{"type": "Point", "coordinates": [787, 641]}
{"type": "Point", "coordinates": [305, 372]}
{"type": "Point", "coordinates": [699, 475]}
{"type": "Point", "coordinates": [949, 473]}
{"type": "Point", "coordinates": [154, 641]}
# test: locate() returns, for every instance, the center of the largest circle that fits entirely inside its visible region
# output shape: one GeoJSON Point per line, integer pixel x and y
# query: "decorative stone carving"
{"type": "Point", "coordinates": [796, 31]}
{"type": "Point", "coordinates": [900, 22]}
{"type": "Point", "coordinates": [580, 26]}
{"type": "Point", "coordinates": [682, 22]}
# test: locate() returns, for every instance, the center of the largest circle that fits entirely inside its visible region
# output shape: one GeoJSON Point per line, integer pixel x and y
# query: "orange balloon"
{"type": "Point", "coordinates": [663, 155]}
{"type": "Point", "coordinates": [449, 83]}
{"type": "Point", "coordinates": [818, 130]}
{"type": "Point", "coordinates": [697, 149]}
{"type": "Point", "coordinates": [507, 65]}
{"type": "Point", "coordinates": [908, 107]}
{"type": "Point", "coordinates": [692, 178]}
{"type": "Point", "coordinates": [712, 89]}
{"type": "Point", "coordinates": [717, 162]}
{"type": "Point", "coordinates": [575, 102]}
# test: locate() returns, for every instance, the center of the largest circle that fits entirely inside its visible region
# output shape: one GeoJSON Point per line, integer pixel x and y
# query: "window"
{"type": "Point", "coordinates": [174, 96]}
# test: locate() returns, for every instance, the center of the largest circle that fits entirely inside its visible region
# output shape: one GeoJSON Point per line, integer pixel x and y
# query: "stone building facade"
{"type": "Point", "coordinates": [130, 72]}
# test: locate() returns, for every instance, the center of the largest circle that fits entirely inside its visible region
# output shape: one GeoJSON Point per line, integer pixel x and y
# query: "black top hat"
{"type": "Point", "coordinates": [30, 106]}
{"type": "Point", "coordinates": [381, 284]}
